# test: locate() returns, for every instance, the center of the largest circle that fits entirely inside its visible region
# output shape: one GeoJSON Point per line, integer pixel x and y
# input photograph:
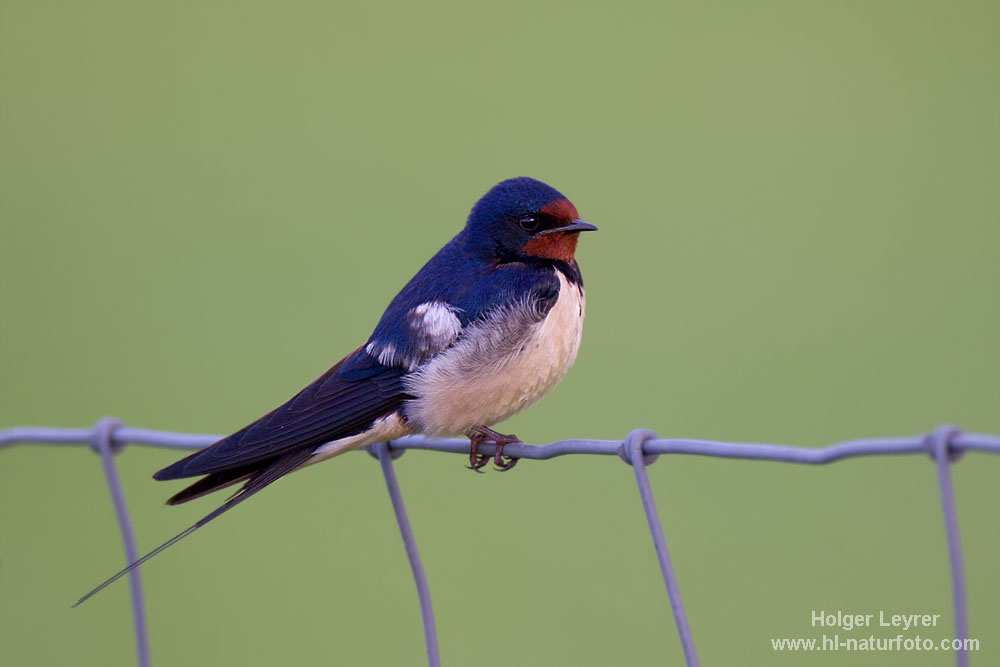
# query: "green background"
{"type": "Point", "coordinates": [204, 205]}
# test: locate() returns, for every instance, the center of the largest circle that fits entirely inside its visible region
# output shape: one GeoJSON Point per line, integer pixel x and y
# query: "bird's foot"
{"type": "Point", "coordinates": [476, 460]}
{"type": "Point", "coordinates": [481, 434]}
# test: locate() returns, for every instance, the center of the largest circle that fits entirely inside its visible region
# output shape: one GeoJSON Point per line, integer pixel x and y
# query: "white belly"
{"type": "Point", "coordinates": [498, 368]}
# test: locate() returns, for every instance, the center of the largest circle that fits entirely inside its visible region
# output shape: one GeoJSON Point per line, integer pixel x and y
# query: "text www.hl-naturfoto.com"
{"type": "Point", "coordinates": [872, 643]}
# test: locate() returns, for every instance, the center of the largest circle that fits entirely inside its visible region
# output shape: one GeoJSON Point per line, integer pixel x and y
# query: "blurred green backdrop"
{"type": "Point", "coordinates": [206, 204]}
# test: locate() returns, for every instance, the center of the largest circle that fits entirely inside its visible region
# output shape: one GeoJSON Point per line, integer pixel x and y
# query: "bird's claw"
{"type": "Point", "coordinates": [481, 434]}
{"type": "Point", "coordinates": [477, 461]}
{"type": "Point", "coordinates": [501, 462]}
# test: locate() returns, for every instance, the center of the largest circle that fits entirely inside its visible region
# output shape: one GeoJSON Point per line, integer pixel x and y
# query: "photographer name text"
{"type": "Point", "coordinates": [849, 621]}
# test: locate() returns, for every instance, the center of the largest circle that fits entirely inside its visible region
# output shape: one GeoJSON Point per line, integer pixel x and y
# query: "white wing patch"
{"type": "Point", "coordinates": [433, 327]}
{"type": "Point", "coordinates": [435, 321]}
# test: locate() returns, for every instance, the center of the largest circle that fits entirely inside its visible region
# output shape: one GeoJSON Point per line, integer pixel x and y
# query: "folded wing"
{"type": "Point", "coordinates": [328, 409]}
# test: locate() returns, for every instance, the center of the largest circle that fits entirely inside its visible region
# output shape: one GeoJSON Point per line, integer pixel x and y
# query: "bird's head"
{"type": "Point", "coordinates": [522, 218]}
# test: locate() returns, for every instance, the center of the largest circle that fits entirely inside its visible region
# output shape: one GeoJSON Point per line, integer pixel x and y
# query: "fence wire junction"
{"type": "Point", "coordinates": [641, 447]}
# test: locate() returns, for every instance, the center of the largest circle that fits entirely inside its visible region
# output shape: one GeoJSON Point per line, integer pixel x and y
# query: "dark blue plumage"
{"type": "Point", "coordinates": [345, 400]}
{"type": "Point", "coordinates": [482, 314]}
{"type": "Point", "coordinates": [491, 230]}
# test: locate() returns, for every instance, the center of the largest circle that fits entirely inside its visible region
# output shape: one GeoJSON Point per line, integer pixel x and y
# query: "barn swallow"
{"type": "Point", "coordinates": [482, 331]}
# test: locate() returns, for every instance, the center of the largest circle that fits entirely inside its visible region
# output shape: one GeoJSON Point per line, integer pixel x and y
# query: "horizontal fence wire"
{"type": "Point", "coordinates": [640, 448]}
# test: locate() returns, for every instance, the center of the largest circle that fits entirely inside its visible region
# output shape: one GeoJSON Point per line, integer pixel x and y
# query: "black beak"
{"type": "Point", "coordinates": [571, 226]}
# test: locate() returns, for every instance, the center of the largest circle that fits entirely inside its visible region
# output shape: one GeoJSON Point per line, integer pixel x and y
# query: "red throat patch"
{"type": "Point", "coordinates": [558, 245]}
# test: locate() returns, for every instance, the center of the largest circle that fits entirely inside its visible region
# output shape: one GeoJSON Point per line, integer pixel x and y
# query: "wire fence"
{"type": "Point", "coordinates": [640, 448]}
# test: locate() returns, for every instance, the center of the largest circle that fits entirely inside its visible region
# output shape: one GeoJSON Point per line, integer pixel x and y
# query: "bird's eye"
{"type": "Point", "coordinates": [528, 223]}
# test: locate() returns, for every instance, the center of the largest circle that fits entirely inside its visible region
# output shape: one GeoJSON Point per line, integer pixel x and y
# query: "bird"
{"type": "Point", "coordinates": [482, 331]}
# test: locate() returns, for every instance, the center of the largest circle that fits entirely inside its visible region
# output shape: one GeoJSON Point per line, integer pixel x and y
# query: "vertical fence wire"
{"type": "Point", "coordinates": [939, 443]}
{"type": "Point", "coordinates": [385, 457]}
{"type": "Point", "coordinates": [633, 454]}
{"type": "Point", "coordinates": [101, 442]}
{"type": "Point", "coordinates": [945, 444]}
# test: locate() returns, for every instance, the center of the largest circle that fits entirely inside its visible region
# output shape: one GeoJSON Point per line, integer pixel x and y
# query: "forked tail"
{"type": "Point", "coordinates": [280, 467]}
